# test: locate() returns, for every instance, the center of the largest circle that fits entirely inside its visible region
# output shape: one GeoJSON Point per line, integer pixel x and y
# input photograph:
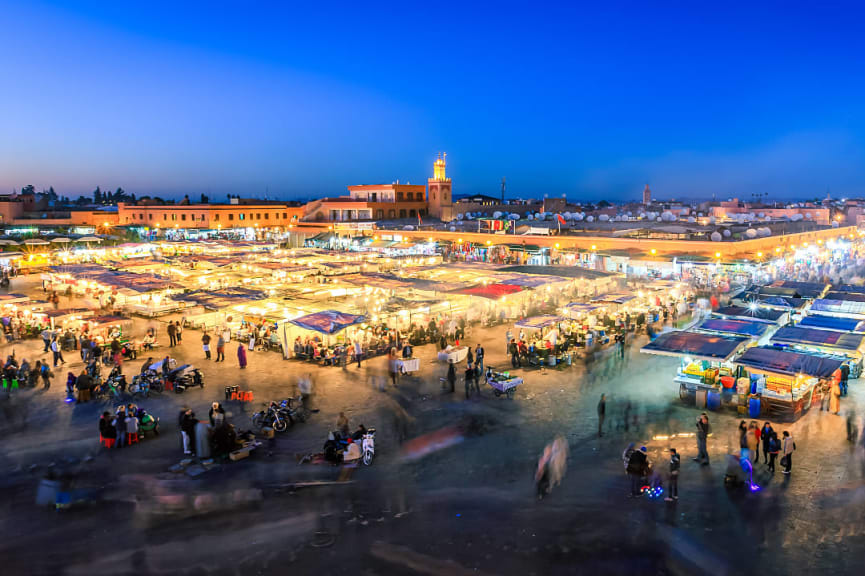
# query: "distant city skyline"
{"type": "Point", "coordinates": [301, 101]}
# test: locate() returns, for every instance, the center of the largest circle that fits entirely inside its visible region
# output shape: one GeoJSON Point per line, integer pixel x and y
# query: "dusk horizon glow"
{"type": "Point", "coordinates": [300, 102]}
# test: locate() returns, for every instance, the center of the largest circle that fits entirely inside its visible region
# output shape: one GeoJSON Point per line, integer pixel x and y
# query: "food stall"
{"type": "Point", "coordinates": [706, 363]}
{"type": "Point", "coordinates": [846, 344]}
{"type": "Point", "coordinates": [821, 322]}
{"type": "Point", "coordinates": [328, 323]}
{"type": "Point", "coordinates": [543, 339]}
{"type": "Point", "coordinates": [785, 384]}
{"type": "Point", "coordinates": [755, 330]}
{"type": "Point", "coordinates": [753, 312]}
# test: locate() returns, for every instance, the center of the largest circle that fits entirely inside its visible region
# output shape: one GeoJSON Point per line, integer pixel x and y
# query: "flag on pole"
{"type": "Point", "coordinates": [419, 221]}
{"type": "Point", "coordinates": [560, 219]}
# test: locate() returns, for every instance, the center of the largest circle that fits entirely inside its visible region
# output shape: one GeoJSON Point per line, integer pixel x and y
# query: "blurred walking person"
{"type": "Point", "coordinates": [602, 414]}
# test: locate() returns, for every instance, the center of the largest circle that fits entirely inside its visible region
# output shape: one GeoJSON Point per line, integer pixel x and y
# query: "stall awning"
{"type": "Point", "coordinates": [328, 321]}
{"type": "Point", "coordinates": [755, 313]}
{"type": "Point", "coordinates": [563, 271]}
{"type": "Point", "coordinates": [527, 281]}
{"type": "Point", "coordinates": [614, 298]}
{"type": "Point", "coordinates": [538, 322]}
{"type": "Point", "coordinates": [99, 320]}
{"type": "Point", "coordinates": [791, 288]}
{"type": "Point", "coordinates": [697, 345]}
{"type": "Point", "coordinates": [788, 362]}
{"type": "Point", "coordinates": [849, 288]}
{"type": "Point", "coordinates": [832, 323]}
{"type": "Point", "coordinates": [846, 296]}
{"type": "Point", "coordinates": [736, 327]}
{"type": "Point", "coordinates": [816, 337]}
{"type": "Point", "coordinates": [491, 291]}
{"type": "Point", "coordinates": [846, 307]}
{"type": "Point", "coordinates": [582, 308]}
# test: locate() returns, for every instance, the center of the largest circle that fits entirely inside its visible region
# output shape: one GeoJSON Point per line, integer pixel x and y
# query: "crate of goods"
{"type": "Point", "coordinates": [239, 454]}
{"type": "Point", "coordinates": [267, 432]}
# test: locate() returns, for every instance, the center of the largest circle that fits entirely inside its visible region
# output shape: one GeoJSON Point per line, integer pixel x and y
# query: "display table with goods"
{"type": "Point", "coordinates": [503, 382]}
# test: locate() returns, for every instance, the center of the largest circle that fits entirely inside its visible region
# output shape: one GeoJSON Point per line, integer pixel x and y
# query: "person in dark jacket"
{"type": "Point", "coordinates": [205, 345]}
{"type": "Point", "coordinates": [765, 434]}
{"type": "Point", "coordinates": [105, 425]}
{"type": "Point", "coordinates": [602, 413]}
{"type": "Point", "coordinates": [703, 431]}
{"type": "Point", "coordinates": [120, 426]}
{"type": "Point", "coordinates": [675, 463]}
{"type": "Point", "coordinates": [187, 430]}
{"type": "Point", "coordinates": [83, 383]}
{"type": "Point", "coordinates": [845, 375]}
{"type": "Point", "coordinates": [638, 467]}
{"type": "Point", "coordinates": [452, 376]}
{"type": "Point", "coordinates": [172, 334]}
{"type": "Point", "coordinates": [470, 379]}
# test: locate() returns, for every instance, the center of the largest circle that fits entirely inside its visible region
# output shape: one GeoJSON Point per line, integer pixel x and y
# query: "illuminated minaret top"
{"type": "Point", "coordinates": [439, 168]}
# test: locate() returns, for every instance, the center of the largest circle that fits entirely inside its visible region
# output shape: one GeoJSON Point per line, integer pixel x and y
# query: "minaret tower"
{"type": "Point", "coordinates": [439, 191]}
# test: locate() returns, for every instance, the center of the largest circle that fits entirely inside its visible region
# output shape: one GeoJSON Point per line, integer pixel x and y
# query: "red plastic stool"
{"type": "Point", "coordinates": [169, 385]}
{"type": "Point", "coordinates": [107, 442]}
{"type": "Point", "coordinates": [247, 396]}
{"type": "Point", "coordinates": [132, 438]}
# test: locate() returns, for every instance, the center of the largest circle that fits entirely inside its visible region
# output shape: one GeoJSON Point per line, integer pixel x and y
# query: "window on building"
{"type": "Point", "coordinates": [141, 216]}
{"type": "Point", "coordinates": [230, 217]}
{"type": "Point", "coordinates": [285, 215]}
{"type": "Point", "coordinates": [241, 216]}
{"type": "Point", "coordinates": [412, 213]}
{"type": "Point", "coordinates": [402, 213]}
{"type": "Point", "coordinates": [391, 213]}
{"type": "Point", "coordinates": [399, 196]}
{"type": "Point", "coordinates": [202, 218]}
{"type": "Point", "coordinates": [258, 216]}
{"type": "Point", "coordinates": [379, 214]}
{"type": "Point", "coordinates": [267, 216]}
{"type": "Point", "coordinates": [174, 216]}
{"type": "Point", "coordinates": [183, 216]}
{"type": "Point", "coordinates": [216, 217]}
{"type": "Point", "coordinates": [149, 216]}
{"type": "Point", "coordinates": [164, 216]}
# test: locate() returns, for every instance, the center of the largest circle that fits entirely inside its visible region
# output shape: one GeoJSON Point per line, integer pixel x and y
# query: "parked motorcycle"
{"type": "Point", "coordinates": [184, 377]}
{"type": "Point", "coordinates": [274, 416]}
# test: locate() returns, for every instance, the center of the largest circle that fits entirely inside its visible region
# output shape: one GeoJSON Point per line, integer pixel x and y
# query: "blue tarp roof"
{"type": "Point", "coordinates": [791, 288]}
{"type": "Point", "coordinates": [328, 322]}
{"type": "Point", "coordinates": [771, 300]}
{"type": "Point", "coordinates": [537, 322]}
{"type": "Point", "coordinates": [846, 307]}
{"type": "Point", "coordinates": [527, 281]}
{"type": "Point", "coordinates": [848, 288]}
{"type": "Point", "coordinates": [788, 362]}
{"type": "Point", "coordinates": [846, 296]}
{"type": "Point", "coordinates": [216, 299]}
{"type": "Point", "coordinates": [696, 344]}
{"type": "Point", "coordinates": [614, 298]}
{"type": "Point", "coordinates": [751, 328]}
{"type": "Point", "coordinates": [833, 323]}
{"type": "Point", "coordinates": [582, 307]}
{"type": "Point", "coordinates": [817, 337]}
{"type": "Point", "coordinates": [758, 313]}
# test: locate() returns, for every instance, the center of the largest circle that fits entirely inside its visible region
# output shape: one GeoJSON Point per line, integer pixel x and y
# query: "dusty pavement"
{"type": "Point", "coordinates": [466, 508]}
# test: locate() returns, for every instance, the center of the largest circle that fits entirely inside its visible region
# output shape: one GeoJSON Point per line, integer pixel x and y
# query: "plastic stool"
{"type": "Point", "coordinates": [132, 438]}
{"type": "Point", "coordinates": [15, 383]}
{"type": "Point", "coordinates": [107, 442]}
{"type": "Point", "coordinates": [247, 396]}
{"type": "Point", "coordinates": [169, 385]}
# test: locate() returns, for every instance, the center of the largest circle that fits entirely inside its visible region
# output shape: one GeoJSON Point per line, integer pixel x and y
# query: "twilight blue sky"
{"type": "Point", "coordinates": [590, 100]}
